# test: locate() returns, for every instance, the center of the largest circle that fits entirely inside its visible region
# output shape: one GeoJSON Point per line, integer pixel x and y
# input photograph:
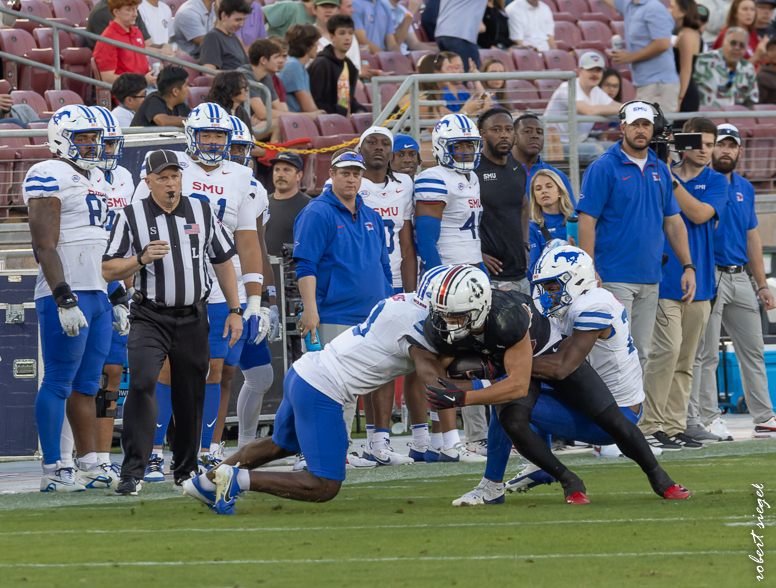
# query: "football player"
{"type": "Point", "coordinates": [505, 328]}
{"type": "Point", "coordinates": [239, 200]}
{"type": "Point", "coordinates": [448, 212]}
{"type": "Point", "coordinates": [406, 155]}
{"type": "Point", "coordinates": [68, 211]}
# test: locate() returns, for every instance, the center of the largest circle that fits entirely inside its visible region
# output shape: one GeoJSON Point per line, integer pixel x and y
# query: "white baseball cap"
{"type": "Point", "coordinates": [591, 60]}
{"type": "Point", "coordinates": [725, 131]}
{"type": "Point", "coordinates": [637, 110]}
{"type": "Point", "coordinates": [375, 130]}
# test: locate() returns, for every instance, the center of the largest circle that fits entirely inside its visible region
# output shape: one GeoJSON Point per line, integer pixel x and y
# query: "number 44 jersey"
{"type": "Point", "coordinates": [363, 358]}
{"type": "Point", "coordinates": [459, 238]}
{"type": "Point", "coordinates": [82, 220]}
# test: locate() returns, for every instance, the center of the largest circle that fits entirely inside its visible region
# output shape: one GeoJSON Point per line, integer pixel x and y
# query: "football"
{"type": "Point", "coordinates": [470, 366]}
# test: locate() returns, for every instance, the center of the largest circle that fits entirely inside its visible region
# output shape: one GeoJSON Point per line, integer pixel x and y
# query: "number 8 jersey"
{"type": "Point", "coordinates": [459, 238]}
{"type": "Point", "coordinates": [82, 220]}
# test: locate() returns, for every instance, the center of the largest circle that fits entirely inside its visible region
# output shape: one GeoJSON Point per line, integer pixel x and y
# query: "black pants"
{"type": "Point", "coordinates": [153, 337]}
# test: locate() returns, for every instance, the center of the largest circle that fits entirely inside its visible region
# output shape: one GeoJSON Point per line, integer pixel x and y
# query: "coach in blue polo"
{"type": "Point", "coordinates": [626, 208]}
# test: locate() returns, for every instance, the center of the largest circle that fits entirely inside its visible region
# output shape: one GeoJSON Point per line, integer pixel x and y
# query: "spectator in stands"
{"type": "Point", "coordinates": [551, 207]}
{"type": "Point", "coordinates": [113, 61]}
{"type": "Point", "coordinates": [736, 244]}
{"type": "Point", "coordinates": [497, 89]}
{"type": "Point", "coordinates": [529, 142]}
{"type": "Point", "coordinates": [531, 25]}
{"type": "Point", "coordinates": [428, 18]}
{"type": "Point", "coordinates": [403, 22]}
{"type": "Point", "coordinates": [701, 194]}
{"type": "Point", "coordinates": [764, 18]}
{"type": "Point", "coordinates": [703, 16]}
{"type": "Point", "coordinates": [459, 100]}
{"type": "Point", "coordinates": [687, 46]}
{"type": "Point", "coordinates": [283, 44]}
{"type": "Point", "coordinates": [229, 90]}
{"type": "Point", "coordinates": [303, 47]}
{"type": "Point", "coordinates": [766, 75]}
{"type": "Point", "coordinates": [253, 28]}
{"type": "Point", "coordinates": [193, 20]}
{"type": "Point", "coordinates": [742, 14]}
{"type": "Point", "coordinates": [167, 106]}
{"type": "Point", "coordinates": [494, 28]}
{"type": "Point", "coordinates": [264, 60]}
{"type": "Point", "coordinates": [591, 101]}
{"type": "Point", "coordinates": [333, 76]}
{"type": "Point", "coordinates": [624, 235]}
{"type": "Point", "coordinates": [129, 90]}
{"type": "Point", "coordinates": [101, 16]}
{"type": "Point", "coordinates": [611, 83]}
{"type": "Point", "coordinates": [717, 15]}
{"type": "Point", "coordinates": [406, 155]}
{"type": "Point", "coordinates": [17, 114]}
{"type": "Point", "coordinates": [221, 48]}
{"type": "Point", "coordinates": [374, 25]}
{"type": "Point", "coordinates": [281, 16]}
{"type": "Point", "coordinates": [457, 28]}
{"type": "Point", "coordinates": [157, 16]}
{"type": "Point", "coordinates": [323, 12]}
{"type": "Point", "coordinates": [724, 77]}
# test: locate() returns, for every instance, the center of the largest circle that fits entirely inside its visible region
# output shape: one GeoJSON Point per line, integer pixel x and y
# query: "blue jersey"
{"type": "Point", "coordinates": [739, 217]}
{"type": "Point", "coordinates": [556, 226]}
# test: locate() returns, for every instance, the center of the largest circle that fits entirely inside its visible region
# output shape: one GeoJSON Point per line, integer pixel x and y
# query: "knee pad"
{"type": "Point", "coordinates": [103, 400]}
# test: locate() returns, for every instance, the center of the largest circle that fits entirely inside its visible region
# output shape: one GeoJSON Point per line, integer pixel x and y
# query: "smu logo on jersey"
{"type": "Point", "coordinates": [369, 226]}
{"type": "Point", "coordinates": [700, 187]}
{"type": "Point", "coordinates": [390, 211]}
{"type": "Point", "coordinates": [739, 197]}
{"type": "Point", "coordinates": [656, 176]}
{"type": "Point", "coordinates": [474, 203]}
{"type": "Point", "coordinates": [208, 188]}
{"type": "Point", "coordinates": [487, 177]}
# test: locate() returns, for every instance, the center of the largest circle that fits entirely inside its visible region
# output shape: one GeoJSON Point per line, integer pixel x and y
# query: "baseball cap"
{"type": "Point", "coordinates": [160, 160]}
{"type": "Point", "coordinates": [374, 130]}
{"type": "Point", "coordinates": [592, 59]}
{"type": "Point", "coordinates": [288, 157]}
{"type": "Point", "coordinates": [348, 159]}
{"type": "Point", "coordinates": [319, 2]}
{"type": "Point", "coordinates": [727, 130]}
{"type": "Point", "coordinates": [636, 110]}
{"type": "Point", "coordinates": [405, 142]}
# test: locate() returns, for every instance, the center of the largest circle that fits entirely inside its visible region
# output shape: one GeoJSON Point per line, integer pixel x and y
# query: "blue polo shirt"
{"type": "Point", "coordinates": [347, 254]}
{"type": "Point", "coordinates": [709, 187]}
{"type": "Point", "coordinates": [739, 217]}
{"type": "Point", "coordinates": [542, 165]}
{"type": "Point", "coordinates": [630, 206]}
{"type": "Point", "coordinates": [647, 21]}
{"type": "Point", "coordinates": [375, 18]}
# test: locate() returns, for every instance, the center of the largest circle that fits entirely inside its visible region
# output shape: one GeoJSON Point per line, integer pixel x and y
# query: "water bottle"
{"type": "Point", "coordinates": [617, 44]}
{"type": "Point", "coordinates": [572, 223]}
{"type": "Point", "coordinates": [311, 341]}
{"type": "Point", "coordinates": [156, 67]}
{"type": "Point", "coordinates": [174, 47]}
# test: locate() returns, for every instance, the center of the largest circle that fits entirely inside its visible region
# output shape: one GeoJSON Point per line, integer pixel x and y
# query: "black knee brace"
{"type": "Point", "coordinates": [103, 400]}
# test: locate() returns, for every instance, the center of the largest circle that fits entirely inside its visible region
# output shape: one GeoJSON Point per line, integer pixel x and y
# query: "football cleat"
{"type": "Point", "coordinates": [676, 492]}
{"type": "Point", "coordinates": [486, 492]}
{"type": "Point", "coordinates": [765, 430]}
{"type": "Point", "coordinates": [353, 461]}
{"type": "Point", "coordinates": [387, 456]}
{"type": "Point", "coordinates": [719, 428]}
{"type": "Point", "coordinates": [530, 476]}
{"type": "Point", "coordinates": [459, 453]}
{"type": "Point", "coordinates": [606, 451]}
{"type": "Point", "coordinates": [62, 479]}
{"type": "Point", "coordinates": [431, 455]}
{"type": "Point", "coordinates": [478, 447]}
{"type": "Point", "coordinates": [367, 453]}
{"type": "Point", "coordinates": [578, 498]}
{"type": "Point", "coordinates": [701, 435]}
{"type": "Point", "coordinates": [418, 454]}
{"type": "Point", "coordinates": [96, 476]}
{"type": "Point", "coordinates": [300, 463]}
{"type": "Point", "coordinates": [227, 490]}
{"type": "Point", "coordinates": [155, 469]}
{"type": "Point", "coordinates": [193, 487]}
{"type": "Point", "coordinates": [129, 486]}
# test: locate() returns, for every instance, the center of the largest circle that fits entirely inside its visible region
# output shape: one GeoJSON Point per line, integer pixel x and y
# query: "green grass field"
{"type": "Point", "coordinates": [396, 527]}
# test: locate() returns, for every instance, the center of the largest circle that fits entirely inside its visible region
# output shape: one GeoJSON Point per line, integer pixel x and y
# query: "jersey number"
{"type": "Point", "coordinates": [364, 327]}
{"type": "Point", "coordinates": [389, 234]}
{"type": "Point", "coordinates": [631, 347]}
{"type": "Point", "coordinates": [470, 225]}
{"type": "Point", "coordinates": [98, 210]}
{"type": "Point", "coordinates": [221, 204]}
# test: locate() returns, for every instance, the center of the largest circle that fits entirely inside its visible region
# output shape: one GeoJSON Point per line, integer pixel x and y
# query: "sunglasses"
{"type": "Point", "coordinates": [722, 133]}
{"type": "Point", "coordinates": [738, 44]}
{"type": "Point", "coordinates": [349, 156]}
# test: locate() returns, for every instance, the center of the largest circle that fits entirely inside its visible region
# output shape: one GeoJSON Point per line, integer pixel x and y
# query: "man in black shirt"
{"type": "Point", "coordinates": [221, 48]}
{"type": "Point", "coordinates": [504, 224]}
{"type": "Point", "coordinates": [287, 201]}
{"type": "Point", "coordinates": [165, 107]}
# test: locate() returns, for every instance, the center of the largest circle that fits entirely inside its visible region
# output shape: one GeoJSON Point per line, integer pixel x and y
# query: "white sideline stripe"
{"type": "Point", "coordinates": [371, 527]}
{"type": "Point", "coordinates": [102, 564]}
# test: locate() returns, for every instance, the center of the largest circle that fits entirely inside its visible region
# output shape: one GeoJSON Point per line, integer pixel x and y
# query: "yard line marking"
{"type": "Point", "coordinates": [370, 527]}
{"type": "Point", "coordinates": [102, 564]}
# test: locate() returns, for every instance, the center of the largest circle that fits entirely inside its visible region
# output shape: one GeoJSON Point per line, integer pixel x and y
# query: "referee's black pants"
{"type": "Point", "coordinates": [156, 334]}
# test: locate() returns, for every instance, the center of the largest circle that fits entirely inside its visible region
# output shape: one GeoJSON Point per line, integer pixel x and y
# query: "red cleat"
{"type": "Point", "coordinates": [578, 498]}
{"type": "Point", "coordinates": [676, 492]}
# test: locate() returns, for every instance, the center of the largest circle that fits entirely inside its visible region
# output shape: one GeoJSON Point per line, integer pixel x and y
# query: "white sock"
{"type": "Point", "coordinates": [244, 479]}
{"type": "Point", "coordinates": [206, 484]}
{"type": "Point", "coordinates": [88, 459]}
{"type": "Point", "coordinates": [436, 440]}
{"type": "Point", "coordinates": [380, 439]}
{"type": "Point", "coordinates": [66, 441]}
{"type": "Point", "coordinates": [50, 468]}
{"type": "Point", "coordinates": [158, 452]}
{"type": "Point", "coordinates": [67, 463]}
{"type": "Point", "coordinates": [451, 438]}
{"type": "Point", "coordinates": [103, 457]}
{"type": "Point", "coordinates": [370, 432]}
{"type": "Point", "coordinates": [420, 435]}
{"type": "Point", "coordinates": [257, 381]}
{"type": "Point", "coordinates": [214, 447]}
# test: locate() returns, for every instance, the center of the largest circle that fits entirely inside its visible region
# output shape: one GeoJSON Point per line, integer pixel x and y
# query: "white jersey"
{"type": "Point", "coordinates": [615, 359]}
{"type": "Point", "coordinates": [459, 238]}
{"type": "Point", "coordinates": [363, 358]}
{"type": "Point", "coordinates": [83, 216]}
{"type": "Point", "coordinates": [237, 199]}
{"type": "Point", "coordinates": [120, 188]}
{"type": "Point", "coordinates": [393, 202]}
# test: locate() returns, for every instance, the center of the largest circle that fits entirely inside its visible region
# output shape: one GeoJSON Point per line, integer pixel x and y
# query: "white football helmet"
{"type": "Point", "coordinates": [453, 129]}
{"type": "Point", "coordinates": [207, 117]}
{"type": "Point", "coordinates": [64, 125]}
{"type": "Point", "coordinates": [460, 300]}
{"type": "Point", "coordinates": [242, 139]}
{"type": "Point", "coordinates": [111, 134]}
{"type": "Point", "coordinates": [572, 269]}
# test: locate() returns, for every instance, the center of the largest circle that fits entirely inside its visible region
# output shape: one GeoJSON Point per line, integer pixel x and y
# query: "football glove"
{"type": "Point", "coordinates": [121, 319]}
{"type": "Point", "coordinates": [448, 396]}
{"type": "Point", "coordinates": [257, 318]}
{"type": "Point", "coordinates": [72, 319]}
{"type": "Point", "coordinates": [274, 323]}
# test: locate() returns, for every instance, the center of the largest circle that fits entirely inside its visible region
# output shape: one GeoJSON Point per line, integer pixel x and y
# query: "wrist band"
{"type": "Point", "coordinates": [271, 291]}
{"type": "Point", "coordinates": [63, 296]}
{"type": "Point", "coordinates": [140, 258]}
{"type": "Point", "coordinates": [253, 278]}
{"type": "Point", "coordinates": [763, 288]}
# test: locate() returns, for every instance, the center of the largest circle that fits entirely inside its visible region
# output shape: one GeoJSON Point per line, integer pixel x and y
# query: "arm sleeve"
{"type": "Point", "coordinates": [596, 188]}
{"type": "Point", "coordinates": [120, 240]}
{"type": "Point", "coordinates": [306, 268]}
{"type": "Point", "coordinates": [210, 51]}
{"type": "Point", "coordinates": [292, 76]}
{"type": "Point", "coordinates": [188, 25]}
{"type": "Point", "coordinates": [358, 18]}
{"type": "Point", "coordinates": [41, 183]}
{"type": "Point", "coordinates": [428, 229]}
{"type": "Point", "coordinates": [753, 215]}
{"type": "Point", "coordinates": [619, 6]}
{"type": "Point", "coordinates": [310, 236]}
{"type": "Point", "coordinates": [276, 15]}
{"type": "Point", "coordinates": [516, 32]}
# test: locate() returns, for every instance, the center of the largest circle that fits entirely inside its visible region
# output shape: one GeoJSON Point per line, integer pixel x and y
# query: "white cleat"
{"type": "Point", "coordinates": [478, 447]}
{"type": "Point", "coordinates": [460, 453]}
{"type": "Point", "coordinates": [486, 492]}
{"type": "Point", "coordinates": [387, 456]}
{"type": "Point", "coordinates": [607, 451]}
{"type": "Point", "coordinates": [719, 428]}
{"type": "Point", "coordinates": [353, 461]}
{"type": "Point", "coordinates": [61, 479]}
{"type": "Point", "coordinates": [96, 476]}
{"type": "Point", "coordinates": [300, 463]}
{"type": "Point", "coordinates": [530, 476]}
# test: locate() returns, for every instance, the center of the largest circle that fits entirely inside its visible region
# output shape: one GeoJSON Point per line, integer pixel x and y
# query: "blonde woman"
{"type": "Point", "coordinates": [550, 207]}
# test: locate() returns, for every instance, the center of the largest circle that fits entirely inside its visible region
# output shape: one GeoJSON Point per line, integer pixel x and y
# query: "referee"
{"type": "Point", "coordinates": [162, 240]}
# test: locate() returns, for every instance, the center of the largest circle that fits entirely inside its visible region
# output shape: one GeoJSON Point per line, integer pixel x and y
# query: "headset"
{"type": "Point", "coordinates": [662, 127]}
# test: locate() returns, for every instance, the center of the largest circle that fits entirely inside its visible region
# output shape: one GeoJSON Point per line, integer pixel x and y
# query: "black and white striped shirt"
{"type": "Point", "coordinates": [181, 277]}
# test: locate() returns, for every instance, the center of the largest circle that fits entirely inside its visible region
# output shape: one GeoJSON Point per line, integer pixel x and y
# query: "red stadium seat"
{"type": "Point", "coordinates": [559, 60]}
{"type": "Point", "coordinates": [596, 35]}
{"type": "Point", "coordinates": [524, 95]}
{"type": "Point", "coordinates": [416, 55]}
{"type": "Point", "coordinates": [546, 88]}
{"type": "Point", "coordinates": [38, 126]}
{"type": "Point", "coordinates": [395, 62]}
{"type": "Point", "coordinates": [296, 126]}
{"type": "Point", "coordinates": [371, 59]}
{"type": "Point", "coordinates": [363, 98]}
{"type": "Point", "coordinates": [35, 8]}
{"type": "Point", "coordinates": [5, 87]}
{"type": "Point", "coordinates": [503, 56]}
{"type": "Point", "coordinates": [56, 99]}
{"type": "Point", "coordinates": [19, 42]}
{"type": "Point", "coordinates": [204, 80]}
{"type": "Point", "coordinates": [103, 94]}
{"type": "Point", "coordinates": [567, 35]}
{"type": "Point", "coordinates": [75, 12]}
{"type": "Point", "coordinates": [527, 60]}
{"type": "Point", "coordinates": [174, 5]}
{"type": "Point", "coordinates": [198, 95]}
{"type": "Point", "coordinates": [386, 93]}
{"type": "Point", "coordinates": [32, 99]}
{"type": "Point", "coordinates": [44, 37]}
{"type": "Point", "coordinates": [361, 122]}
{"type": "Point", "coordinates": [334, 124]}
{"type": "Point", "coordinates": [73, 59]}
{"type": "Point", "coordinates": [575, 8]}
{"type": "Point", "coordinates": [628, 91]}
{"type": "Point", "coordinates": [601, 7]}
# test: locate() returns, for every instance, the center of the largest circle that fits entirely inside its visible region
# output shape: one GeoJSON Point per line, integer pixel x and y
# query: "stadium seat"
{"type": "Point", "coordinates": [567, 35]}
{"type": "Point", "coordinates": [361, 122]}
{"type": "Point", "coordinates": [103, 95]}
{"type": "Point", "coordinates": [628, 91]}
{"type": "Point", "coordinates": [503, 56]}
{"type": "Point", "coordinates": [527, 60]}
{"type": "Point", "coordinates": [524, 96]}
{"type": "Point", "coordinates": [73, 59]}
{"type": "Point", "coordinates": [386, 93]}
{"type": "Point", "coordinates": [618, 28]}
{"type": "Point", "coordinates": [203, 80]}
{"type": "Point", "coordinates": [56, 99]}
{"type": "Point", "coordinates": [175, 5]}
{"type": "Point", "coordinates": [546, 88]}
{"type": "Point", "coordinates": [38, 126]}
{"type": "Point", "coordinates": [34, 8]}
{"type": "Point", "coordinates": [363, 98]}
{"type": "Point", "coordinates": [766, 168]}
{"type": "Point", "coordinates": [559, 60]}
{"type": "Point", "coordinates": [198, 95]}
{"type": "Point", "coordinates": [595, 34]}
{"type": "Point", "coordinates": [564, 17]}
{"type": "Point", "coordinates": [395, 62]}
{"type": "Point", "coordinates": [370, 59]}
{"type": "Point", "coordinates": [601, 7]}
{"type": "Point", "coordinates": [32, 99]}
{"type": "Point", "coordinates": [44, 37]}
{"type": "Point", "coordinates": [575, 8]}
{"type": "Point", "coordinates": [22, 43]}
{"type": "Point", "coordinates": [296, 126]}
{"type": "Point", "coordinates": [75, 12]}
{"type": "Point", "coordinates": [5, 87]}
{"type": "Point", "coordinates": [334, 124]}
{"type": "Point", "coordinates": [416, 55]}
